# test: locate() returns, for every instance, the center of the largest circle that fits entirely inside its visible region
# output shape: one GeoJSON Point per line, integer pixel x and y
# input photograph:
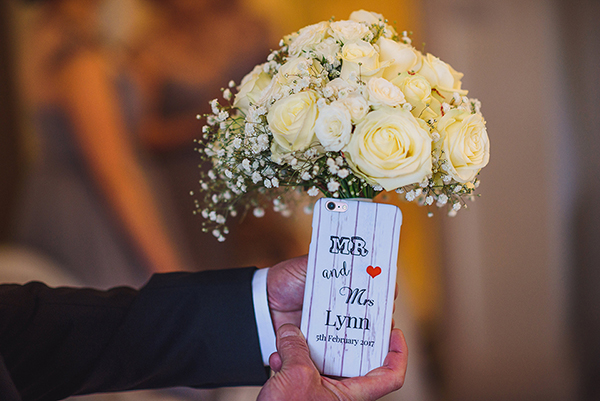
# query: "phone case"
{"type": "Point", "coordinates": [350, 285]}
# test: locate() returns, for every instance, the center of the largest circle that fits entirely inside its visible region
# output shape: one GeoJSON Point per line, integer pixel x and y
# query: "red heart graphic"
{"type": "Point", "coordinates": [374, 271]}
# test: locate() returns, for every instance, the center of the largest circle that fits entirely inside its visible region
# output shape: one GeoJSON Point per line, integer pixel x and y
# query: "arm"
{"type": "Point", "coordinates": [91, 101]}
{"type": "Point", "coordinates": [181, 329]}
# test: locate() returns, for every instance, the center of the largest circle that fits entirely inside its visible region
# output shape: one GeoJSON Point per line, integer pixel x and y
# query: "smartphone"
{"type": "Point", "coordinates": [350, 285]}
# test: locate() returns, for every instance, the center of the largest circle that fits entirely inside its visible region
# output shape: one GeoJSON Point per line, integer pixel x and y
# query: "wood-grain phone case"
{"type": "Point", "coordinates": [350, 284]}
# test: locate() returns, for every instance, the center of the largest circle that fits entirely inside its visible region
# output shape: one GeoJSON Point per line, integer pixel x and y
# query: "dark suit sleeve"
{"type": "Point", "coordinates": [181, 329]}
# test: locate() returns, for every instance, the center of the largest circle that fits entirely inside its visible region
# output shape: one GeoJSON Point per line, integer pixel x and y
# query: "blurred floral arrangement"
{"type": "Point", "coordinates": [346, 109]}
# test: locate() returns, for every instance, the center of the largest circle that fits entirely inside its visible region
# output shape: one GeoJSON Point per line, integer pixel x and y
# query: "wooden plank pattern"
{"type": "Point", "coordinates": [350, 284]}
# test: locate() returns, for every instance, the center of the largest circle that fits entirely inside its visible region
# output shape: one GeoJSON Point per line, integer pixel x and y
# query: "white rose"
{"type": "Point", "coordinates": [383, 92]}
{"type": "Point", "coordinates": [292, 70]}
{"type": "Point", "coordinates": [308, 37]}
{"type": "Point", "coordinates": [465, 143]}
{"type": "Point", "coordinates": [441, 76]}
{"type": "Point", "coordinates": [297, 67]}
{"type": "Point", "coordinates": [360, 58]}
{"type": "Point", "coordinates": [328, 49]}
{"type": "Point", "coordinates": [341, 88]}
{"type": "Point", "coordinates": [292, 121]}
{"type": "Point", "coordinates": [366, 16]}
{"type": "Point", "coordinates": [333, 126]}
{"type": "Point", "coordinates": [391, 148]}
{"type": "Point", "coordinates": [357, 105]}
{"type": "Point", "coordinates": [401, 57]}
{"type": "Point", "coordinates": [348, 31]}
{"type": "Point", "coordinates": [251, 88]}
{"type": "Point", "coordinates": [417, 92]}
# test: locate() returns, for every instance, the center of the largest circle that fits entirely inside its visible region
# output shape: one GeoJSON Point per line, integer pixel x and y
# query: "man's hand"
{"type": "Point", "coordinates": [285, 289]}
{"type": "Point", "coordinates": [297, 378]}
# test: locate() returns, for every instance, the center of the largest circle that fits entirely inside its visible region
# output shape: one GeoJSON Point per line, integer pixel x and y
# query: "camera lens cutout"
{"type": "Point", "coordinates": [330, 205]}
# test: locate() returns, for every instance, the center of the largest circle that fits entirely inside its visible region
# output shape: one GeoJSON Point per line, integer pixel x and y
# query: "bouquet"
{"type": "Point", "coordinates": [346, 109]}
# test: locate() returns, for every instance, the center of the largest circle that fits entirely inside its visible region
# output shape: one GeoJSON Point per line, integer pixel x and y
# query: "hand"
{"type": "Point", "coordinates": [285, 289]}
{"type": "Point", "coordinates": [297, 378]}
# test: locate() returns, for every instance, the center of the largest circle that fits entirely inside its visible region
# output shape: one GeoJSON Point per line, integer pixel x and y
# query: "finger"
{"type": "Point", "coordinates": [275, 362]}
{"type": "Point", "coordinates": [387, 378]}
{"type": "Point", "coordinates": [292, 347]}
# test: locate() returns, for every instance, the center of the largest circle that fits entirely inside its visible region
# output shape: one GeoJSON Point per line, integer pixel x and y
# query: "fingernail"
{"type": "Point", "coordinates": [288, 331]}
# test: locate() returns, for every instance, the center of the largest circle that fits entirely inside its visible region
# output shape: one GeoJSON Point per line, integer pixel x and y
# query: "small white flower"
{"type": "Point", "coordinates": [214, 105]}
{"type": "Point", "coordinates": [220, 219]}
{"type": "Point", "coordinates": [429, 200]}
{"type": "Point", "coordinates": [400, 190]}
{"type": "Point", "coordinates": [410, 196]}
{"type": "Point", "coordinates": [206, 129]}
{"type": "Point", "coordinates": [237, 143]}
{"type": "Point", "coordinates": [231, 83]}
{"type": "Point", "coordinates": [275, 182]}
{"type": "Point", "coordinates": [267, 183]}
{"type": "Point", "coordinates": [378, 188]}
{"type": "Point", "coordinates": [418, 191]}
{"type": "Point", "coordinates": [442, 200]}
{"type": "Point", "coordinates": [457, 206]}
{"type": "Point", "coordinates": [263, 141]}
{"type": "Point", "coordinates": [227, 94]}
{"type": "Point", "coordinates": [256, 177]}
{"type": "Point", "coordinates": [249, 129]}
{"type": "Point", "coordinates": [212, 215]}
{"type": "Point", "coordinates": [246, 164]}
{"type": "Point", "coordinates": [452, 213]}
{"type": "Point", "coordinates": [221, 238]}
{"type": "Point", "coordinates": [204, 186]}
{"type": "Point", "coordinates": [205, 213]}
{"type": "Point", "coordinates": [445, 107]}
{"type": "Point", "coordinates": [215, 198]}
{"type": "Point", "coordinates": [446, 179]}
{"type": "Point", "coordinates": [258, 212]}
{"type": "Point", "coordinates": [313, 191]}
{"type": "Point", "coordinates": [343, 173]}
{"type": "Point", "coordinates": [333, 186]}
{"type": "Point", "coordinates": [227, 195]}
{"type": "Point", "coordinates": [233, 213]}
{"type": "Point", "coordinates": [305, 176]}
{"type": "Point", "coordinates": [228, 174]}
{"type": "Point", "coordinates": [216, 233]}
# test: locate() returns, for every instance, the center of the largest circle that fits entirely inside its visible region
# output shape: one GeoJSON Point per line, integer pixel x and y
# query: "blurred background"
{"type": "Point", "coordinates": [97, 116]}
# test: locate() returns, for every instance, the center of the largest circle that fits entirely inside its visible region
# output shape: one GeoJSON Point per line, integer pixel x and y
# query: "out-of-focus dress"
{"type": "Point", "coordinates": [63, 213]}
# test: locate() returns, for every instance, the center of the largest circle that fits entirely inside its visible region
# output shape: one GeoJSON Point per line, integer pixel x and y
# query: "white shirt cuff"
{"type": "Point", "coordinates": [262, 314]}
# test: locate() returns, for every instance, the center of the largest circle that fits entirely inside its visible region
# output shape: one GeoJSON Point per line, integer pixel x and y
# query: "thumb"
{"type": "Point", "coordinates": [292, 347]}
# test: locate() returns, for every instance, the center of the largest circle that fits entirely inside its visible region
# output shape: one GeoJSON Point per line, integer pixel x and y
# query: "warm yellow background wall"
{"type": "Point", "coordinates": [287, 16]}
